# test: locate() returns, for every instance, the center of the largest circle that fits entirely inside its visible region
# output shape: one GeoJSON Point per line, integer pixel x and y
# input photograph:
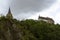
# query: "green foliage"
{"type": "Point", "coordinates": [12, 29]}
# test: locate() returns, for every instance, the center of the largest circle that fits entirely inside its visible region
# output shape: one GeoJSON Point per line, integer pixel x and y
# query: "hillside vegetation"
{"type": "Point", "coordinates": [12, 29]}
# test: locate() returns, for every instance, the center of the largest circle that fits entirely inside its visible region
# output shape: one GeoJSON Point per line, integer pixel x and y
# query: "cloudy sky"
{"type": "Point", "coordinates": [22, 9]}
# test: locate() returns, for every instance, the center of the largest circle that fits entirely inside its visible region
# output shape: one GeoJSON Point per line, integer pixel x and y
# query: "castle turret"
{"type": "Point", "coordinates": [9, 14]}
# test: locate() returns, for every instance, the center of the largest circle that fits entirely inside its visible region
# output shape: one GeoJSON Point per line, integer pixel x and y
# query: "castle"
{"type": "Point", "coordinates": [40, 18]}
{"type": "Point", "coordinates": [9, 14]}
{"type": "Point", "coordinates": [46, 19]}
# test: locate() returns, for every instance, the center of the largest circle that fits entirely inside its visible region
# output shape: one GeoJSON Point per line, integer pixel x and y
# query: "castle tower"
{"type": "Point", "coordinates": [9, 14]}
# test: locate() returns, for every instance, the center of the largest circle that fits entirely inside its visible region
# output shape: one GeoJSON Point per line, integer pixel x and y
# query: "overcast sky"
{"type": "Point", "coordinates": [22, 9]}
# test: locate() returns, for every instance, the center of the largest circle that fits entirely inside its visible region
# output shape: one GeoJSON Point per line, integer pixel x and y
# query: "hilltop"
{"type": "Point", "coordinates": [13, 29]}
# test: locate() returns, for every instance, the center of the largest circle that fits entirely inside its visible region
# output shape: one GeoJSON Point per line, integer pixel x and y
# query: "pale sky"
{"type": "Point", "coordinates": [52, 12]}
{"type": "Point", "coordinates": [22, 9]}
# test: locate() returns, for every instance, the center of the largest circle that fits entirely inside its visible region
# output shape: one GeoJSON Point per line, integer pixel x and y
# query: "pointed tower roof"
{"type": "Point", "coordinates": [9, 11]}
{"type": "Point", "coordinates": [9, 14]}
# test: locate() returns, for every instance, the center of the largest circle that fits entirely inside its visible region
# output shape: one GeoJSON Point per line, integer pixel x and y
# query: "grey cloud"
{"type": "Point", "coordinates": [30, 5]}
{"type": "Point", "coordinates": [26, 6]}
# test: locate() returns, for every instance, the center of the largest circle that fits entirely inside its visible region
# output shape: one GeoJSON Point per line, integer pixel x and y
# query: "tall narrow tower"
{"type": "Point", "coordinates": [9, 14]}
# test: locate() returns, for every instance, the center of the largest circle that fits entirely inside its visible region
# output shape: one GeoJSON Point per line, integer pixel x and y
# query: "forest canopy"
{"type": "Point", "coordinates": [29, 29]}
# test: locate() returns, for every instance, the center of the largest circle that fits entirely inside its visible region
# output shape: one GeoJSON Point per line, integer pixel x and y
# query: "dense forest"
{"type": "Point", "coordinates": [13, 29]}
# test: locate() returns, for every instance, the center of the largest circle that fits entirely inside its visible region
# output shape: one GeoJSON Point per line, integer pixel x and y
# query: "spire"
{"type": "Point", "coordinates": [9, 14]}
{"type": "Point", "coordinates": [9, 11]}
